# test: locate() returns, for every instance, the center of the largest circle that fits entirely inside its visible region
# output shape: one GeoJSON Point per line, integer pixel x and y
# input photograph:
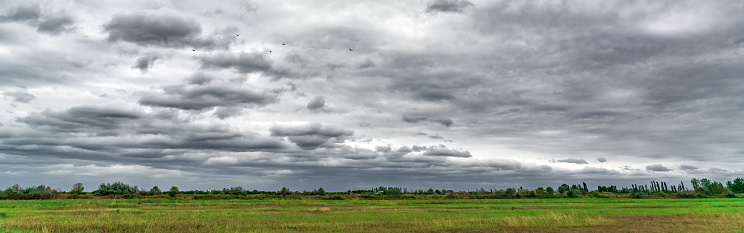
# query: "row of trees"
{"type": "Point", "coordinates": [38, 192]}
{"type": "Point", "coordinates": [702, 186]}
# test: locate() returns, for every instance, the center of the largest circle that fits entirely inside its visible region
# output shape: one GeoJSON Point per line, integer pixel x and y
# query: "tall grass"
{"type": "Point", "coordinates": [160, 215]}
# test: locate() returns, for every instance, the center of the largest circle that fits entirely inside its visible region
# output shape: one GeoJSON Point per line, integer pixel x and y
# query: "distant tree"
{"type": "Point", "coordinates": [321, 191]}
{"type": "Point", "coordinates": [117, 188]}
{"type": "Point", "coordinates": [549, 190]}
{"type": "Point", "coordinates": [38, 192]}
{"type": "Point", "coordinates": [585, 189]}
{"type": "Point", "coordinates": [173, 191]}
{"type": "Point", "coordinates": [695, 183]}
{"type": "Point", "coordinates": [236, 190]}
{"type": "Point", "coordinates": [394, 191]}
{"type": "Point", "coordinates": [77, 188]}
{"type": "Point", "coordinates": [511, 190]}
{"type": "Point", "coordinates": [284, 191]}
{"type": "Point", "coordinates": [737, 186]}
{"type": "Point", "coordinates": [540, 190]}
{"type": "Point", "coordinates": [155, 191]}
{"type": "Point", "coordinates": [715, 187]}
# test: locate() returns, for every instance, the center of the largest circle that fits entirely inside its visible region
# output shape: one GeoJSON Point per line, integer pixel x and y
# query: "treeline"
{"type": "Point", "coordinates": [700, 188]}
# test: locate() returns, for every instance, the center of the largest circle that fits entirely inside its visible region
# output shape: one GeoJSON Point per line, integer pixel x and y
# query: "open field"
{"type": "Point", "coordinates": [501, 215]}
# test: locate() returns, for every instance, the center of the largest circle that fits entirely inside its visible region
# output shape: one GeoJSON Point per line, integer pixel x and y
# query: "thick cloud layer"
{"type": "Point", "coordinates": [313, 135]}
{"type": "Point", "coordinates": [155, 28]}
{"type": "Point", "coordinates": [454, 6]}
{"type": "Point", "coordinates": [188, 97]}
{"type": "Point", "coordinates": [32, 15]}
{"type": "Point", "coordinates": [336, 94]}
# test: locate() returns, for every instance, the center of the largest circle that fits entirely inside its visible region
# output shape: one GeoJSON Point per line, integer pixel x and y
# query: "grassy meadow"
{"type": "Point", "coordinates": [464, 215]}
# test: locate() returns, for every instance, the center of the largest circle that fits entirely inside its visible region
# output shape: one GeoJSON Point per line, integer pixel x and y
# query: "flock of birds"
{"type": "Point", "coordinates": [236, 34]}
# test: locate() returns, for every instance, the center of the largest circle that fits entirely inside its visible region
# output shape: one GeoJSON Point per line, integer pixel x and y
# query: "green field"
{"type": "Point", "coordinates": [476, 215]}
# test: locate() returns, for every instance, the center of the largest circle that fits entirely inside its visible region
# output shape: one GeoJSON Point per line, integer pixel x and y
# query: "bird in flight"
{"type": "Point", "coordinates": [237, 34]}
{"type": "Point", "coordinates": [283, 44]}
{"type": "Point", "coordinates": [351, 50]}
{"type": "Point", "coordinates": [193, 49]}
{"type": "Point", "coordinates": [269, 51]}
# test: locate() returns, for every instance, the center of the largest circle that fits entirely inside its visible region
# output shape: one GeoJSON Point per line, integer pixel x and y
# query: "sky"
{"type": "Point", "coordinates": [444, 94]}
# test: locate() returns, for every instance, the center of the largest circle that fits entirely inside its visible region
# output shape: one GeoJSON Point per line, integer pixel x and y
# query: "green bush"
{"type": "Point", "coordinates": [38, 192]}
{"type": "Point", "coordinates": [173, 191]}
{"type": "Point", "coordinates": [685, 194]}
{"type": "Point", "coordinates": [117, 188]}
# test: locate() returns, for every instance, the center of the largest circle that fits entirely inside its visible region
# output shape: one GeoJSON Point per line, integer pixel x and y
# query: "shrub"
{"type": "Point", "coordinates": [284, 191]}
{"type": "Point", "coordinates": [38, 192]}
{"type": "Point", "coordinates": [173, 191]}
{"type": "Point", "coordinates": [154, 191]}
{"type": "Point", "coordinates": [117, 188]}
{"type": "Point", "coordinates": [77, 188]}
{"type": "Point", "coordinates": [685, 194]}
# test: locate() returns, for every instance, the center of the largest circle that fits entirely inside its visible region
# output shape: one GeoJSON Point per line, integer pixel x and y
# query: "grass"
{"type": "Point", "coordinates": [470, 215]}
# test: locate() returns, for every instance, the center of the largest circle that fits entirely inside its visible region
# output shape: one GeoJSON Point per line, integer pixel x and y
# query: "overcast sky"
{"type": "Point", "coordinates": [456, 94]}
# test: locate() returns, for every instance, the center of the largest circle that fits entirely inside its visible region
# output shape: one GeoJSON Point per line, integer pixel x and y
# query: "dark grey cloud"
{"type": "Point", "coordinates": [439, 120]}
{"type": "Point", "coordinates": [688, 167]}
{"type": "Point", "coordinates": [116, 133]}
{"type": "Point", "coordinates": [657, 168]}
{"type": "Point", "coordinates": [601, 159]}
{"type": "Point", "coordinates": [84, 119]}
{"type": "Point", "coordinates": [164, 30]}
{"type": "Point", "coordinates": [384, 149]}
{"type": "Point", "coordinates": [449, 6]}
{"type": "Point", "coordinates": [149, 28]}
{"type": "Point", "coordinates": [199, 79]}
{"type": "Point", "coordinates": [20, 97]}
{"type": "Point", "coordinates": [366, 64]}
{"type": "Point", "coordinates": [310, 129]}
{"type": "Point", "coordinates": [444, 151]}
{"type": "Point", "coordinates": [404, 149]}
{"type": "Point", "coordinates": [29, 12]}
{"type": "Point", "coordinates": [227, 112]}
{"type": "Point", "coordinates": [312, 135]}
{"type": "Point", "coordinates": [433, 95]}
{"type": "Point", "coordinates": [56, 25]}
{"type": "Point", "coordinates": [46, 23]}
{"type": "Point", "coordinates": [572, 160]}
{"type": "Point", "coordinates": [188, 97]}
{"type": "Point", "coordinates": [245, 63]}
{"type": "Point", "coordinates": [317, 104]}
{"type": "Point", "coordinates": [429, 136]}
{"type": "Point", "coordinates": [145, 62]}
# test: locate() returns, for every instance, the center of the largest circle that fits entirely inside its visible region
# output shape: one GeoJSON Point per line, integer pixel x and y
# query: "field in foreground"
{"type": "Point", "coordinates": [507, 215]}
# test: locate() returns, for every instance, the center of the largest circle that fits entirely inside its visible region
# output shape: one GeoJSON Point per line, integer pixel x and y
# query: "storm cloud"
{"type": "Point", "coordinates": [439, 120]}
{"type": "Point", "coordinates": [453, 6]}
{"type": "Point", "coordinates": [145, 62]}
{"type": "Point", "coordinates": [189, 97]}
{"type": "Point", "coordinates": [31, 14]}
{"type": "Point", "coordinates": [455, 94]}
{"type": "Point", "coordinates": [657, 168]}
{"type": "Point", "coordinates": [317, 104]}
{"type": "Point", "coordinates": [20, 97]}
{"type": "Point", "coordinates": [312, 135]}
